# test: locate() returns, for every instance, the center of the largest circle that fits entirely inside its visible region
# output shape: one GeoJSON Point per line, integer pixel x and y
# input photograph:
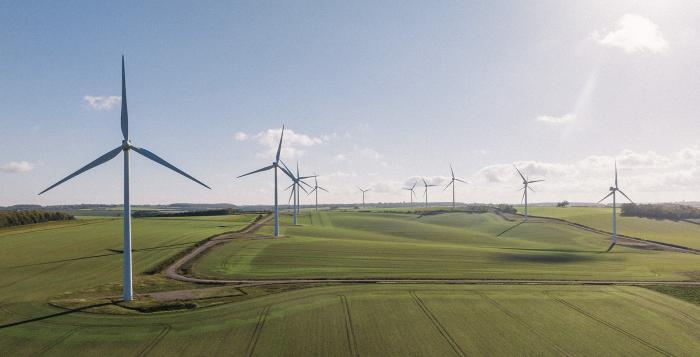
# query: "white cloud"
{"type": "Point", "coordinates": [293, 143]}
{"type": "Point", "coordinates": [17, 166]}
{"type": "Point", "coordinates": [338, 158]}
{"type": "Point", "coordinates": [633, 33]}
{"type": "Point", "coordinates": [240, 136]}
{"type": "Point", "coordinates": [566, 118]}
{"type": "Point", "coordinates": [102, 102]}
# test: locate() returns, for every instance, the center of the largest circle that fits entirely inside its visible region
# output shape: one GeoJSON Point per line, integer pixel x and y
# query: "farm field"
{"type": "Point", "coordinates": [46, 260]}
{"type": "Point", "coordinates": [382, 320]}
{"type": "Point", "coordinates": [453, 245]}
{"type": "Point", "coordinates": [666, 231]}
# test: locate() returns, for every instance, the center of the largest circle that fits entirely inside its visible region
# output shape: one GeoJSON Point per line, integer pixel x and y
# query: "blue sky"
{"type": "Point", "coordinates": [375, 94]}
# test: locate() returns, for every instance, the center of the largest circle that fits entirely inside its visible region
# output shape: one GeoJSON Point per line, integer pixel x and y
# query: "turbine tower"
{"type": "Point", "coordinates": [275, 165]}
{"type": "Point", "coordinates": [125, 147]}
{"type": "Point", "coordinates": [526, 186]}
{"type": "Point", "coordinates": [452, 182]}
{"type": "Point", "coordinates": [315, 189]}
{"type": "Point", "coordinates": [413, 192]}
{"type": "Point", "coordinates": [363, 195]}
{"type": "Point", "coordinates": [613, 190]}
{"type": "Point", "coordinates": [425, 192]}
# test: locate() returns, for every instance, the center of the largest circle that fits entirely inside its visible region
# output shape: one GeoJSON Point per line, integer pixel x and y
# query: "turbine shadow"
{"type": "Point", "coordinates": [510, 228]}
{"type": "Point", "coordinates": [67, 312]}
{"type": "Point", "coordinates": [545, 258]}
{"type": "Point", "coordinates": [552, 250]}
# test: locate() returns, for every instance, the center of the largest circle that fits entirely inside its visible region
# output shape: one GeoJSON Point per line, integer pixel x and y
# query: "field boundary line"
{"type": "Point", "coordinates": [609, 324]}
{"type": "Point", "coordinates": [349, 329]}
{"type": "Point", "coordinates": [258, 329]}
{"type": "Point", "coordinates": [166, 329]}
{"type": "Point", "coordinates": [436, 323]}
{"type": "Point", "coordinates": [58, 341]}
{"type": "Point", "coordinates": [517, 318]}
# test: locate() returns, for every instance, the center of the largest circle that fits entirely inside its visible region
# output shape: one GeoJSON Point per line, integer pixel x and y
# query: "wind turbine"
{"type": "Point", "coordinates": [315, 189]}
{"type": "Point", "coordinates": [452, 182]}
{"type": "Point", "coordinates": [413, 192]}
{"type": "Point", "coordinates": [526, 186]}
{"type": "Point", "coordinates": [295, 186]}
{"type": "Point", "coordinates": [275, 165]}
{"type": "Point", "coordinates": [363, 194]}
{"type": "Point", "coordinates": [613, 190]}
{"type": "Point", "coordinates": [125, 147]}
{"type": "Point", "coordinates": [425, 192]}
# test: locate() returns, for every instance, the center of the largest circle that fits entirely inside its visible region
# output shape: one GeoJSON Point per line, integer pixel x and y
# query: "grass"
{"type": "Point", "coordinates": [454, 245]}
{"type": "Point", "coordinates": [680, 233]}
{"type": "Point", "coordinates": [50, 262]}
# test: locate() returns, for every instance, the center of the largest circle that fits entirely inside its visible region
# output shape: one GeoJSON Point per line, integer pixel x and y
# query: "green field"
{"type": "Point", "coordinates": [453, 245]}
{"type": "Point", "coordinates": [44, 261]}
{"type": "Point", "coordinates": [684, 234]}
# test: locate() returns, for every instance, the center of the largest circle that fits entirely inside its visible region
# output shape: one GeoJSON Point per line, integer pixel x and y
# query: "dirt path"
{"type": "Point", "coordinates": [174, 271]}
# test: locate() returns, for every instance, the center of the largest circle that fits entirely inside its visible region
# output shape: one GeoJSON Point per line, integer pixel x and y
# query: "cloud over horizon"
{"type": "Point", "coordinates": [633, 33]}
{"type": "Point", "coordinates": [17, 167]}
{"type": "Point", "coordinates": [101, 103]}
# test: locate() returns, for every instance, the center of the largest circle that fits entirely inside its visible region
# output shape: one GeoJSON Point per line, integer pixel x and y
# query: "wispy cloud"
{"type": "Point", "coordinates": [633, 33]}
{"type": "Point", "coordinates": [293, 144]}
{"type": "Point", "coordinates": [17, 167]}
{"type": "Point", "coordinates": [102, 102]}
{"type": "Point", "coordinates": [240, 136]}
{"type": "Point", "coordinates": [566, 118]}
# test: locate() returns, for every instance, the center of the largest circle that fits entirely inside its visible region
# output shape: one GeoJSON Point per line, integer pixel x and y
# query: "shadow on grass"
{"type": "Point", "coordinates": [510, 228]}
{"type": "Point", "coordinates": [553, 250]}
{"type": "Point", "coordinates": [46, 317]}
{"type": "Point", "coordinates": [545, 258]}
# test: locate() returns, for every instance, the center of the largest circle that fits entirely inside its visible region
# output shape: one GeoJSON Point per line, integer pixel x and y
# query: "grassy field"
{"type": "Point", "coordinates": [679, 233]}
{"type": "Point", "coordinates": [454, 245]}
{"type": "Point", "coordinates": [44, 261]}
{"type": "Point", "coordinates": [383, 320]}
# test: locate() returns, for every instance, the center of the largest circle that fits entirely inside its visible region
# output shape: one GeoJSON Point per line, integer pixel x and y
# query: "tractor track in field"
{"type": "Point", "coordinates": [678, 311]}
{"type": "Point", "coordinates": [349, 328]}
{"type": "Point", "coordinates": [161, 335]}
{"type": "Point", "coordinates": [523, 322]}
{"type": "Point", "coordinates": [175, 270]}
{"type": "Point", "coordinates": [610, 325]}
{"type": "Point", "coordinates": [257, 331]}
{"type": "Point", "coordinates": [438, 326]}
{"type": "Point", "coordinates": [58, 341]}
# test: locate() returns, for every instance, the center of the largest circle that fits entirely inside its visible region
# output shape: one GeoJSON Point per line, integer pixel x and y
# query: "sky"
{"type": "Point", "coordinates": [374, 94]}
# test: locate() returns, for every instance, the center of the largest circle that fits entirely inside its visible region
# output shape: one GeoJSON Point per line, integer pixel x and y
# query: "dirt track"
{"type": "Point", "coordinates": [174, 271]}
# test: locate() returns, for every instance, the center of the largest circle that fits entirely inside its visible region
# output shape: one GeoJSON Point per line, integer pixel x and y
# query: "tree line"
{"type": "Point", "coordinates": [674, 212]}
{"type": "Point", "coordinates": [19, 218]}
{"type": "Point", "coordinates": [209, 212]}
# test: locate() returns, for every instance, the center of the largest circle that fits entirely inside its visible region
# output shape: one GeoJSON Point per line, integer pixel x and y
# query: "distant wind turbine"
{"type": "Point", "coordinates": [413, 192]}
{"type": "Point", "coordinates": [125, 147]}
{"type": "Point", "coordinates": [452, 182]}
{"type": "Point", "coordinates": [363, 195]}
{"type": "Point", "coordinates": [613, 190]}
{"type": "Point", "coordinates": [425, 192]}
{"type": "Point", "coordinates": [297, 182]}
{"type": "Point", "coordinates": [275, 165]}
{"type": "Point", "coordinates": [526, 186]}
{"type": "Point", "coordinates": [315, 189]}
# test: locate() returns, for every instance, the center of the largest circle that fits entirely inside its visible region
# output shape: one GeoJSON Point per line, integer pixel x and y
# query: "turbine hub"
{"type": "Point", "coordinates": [126, 144]}
{"type": "Point", "coordinates": [612, 188]}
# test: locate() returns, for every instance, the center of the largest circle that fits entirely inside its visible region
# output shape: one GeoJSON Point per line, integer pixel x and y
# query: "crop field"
{"type": "Point", "coordinates": [666, 231]}
{"type": "Point", "coordinates": [46, 260]}
{"type": "Point", "coordinates": [453, 245]}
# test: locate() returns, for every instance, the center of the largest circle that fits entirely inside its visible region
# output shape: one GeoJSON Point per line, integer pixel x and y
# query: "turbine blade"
{"type": "Point", "coordinates": [99, 161]}
{"type": "Point", "coordinates": [288, 187]}
{"type": "Point", "coordinates": [321, 188]}
{"type": "Point", "coordinates": [286, 170]}
{"type": "Point", "coordinates": [291, 194]}
{"type": "Point", "coordinates": [312, 191]}
{"type": "Point", "coordinates": [448, 185]}
{"type": "Point", "coordinates": [462, 181]}
{"type": "Point", "coordinates": [533, 181]}
{"type": "Point", "coordinates": [302, 188]}
{"type": "Point", "coordinates": [160, 160]}
{"type": "Point", "coordinates": [522, 199]}
{"type": "Point", "coordinates": [608, 195]}
{"type": "Point", "coordinates": [279, 147]}
{"type": "Point", "coordinates": [256, 171]}
{"type": "Point", "coordinates": [414, 185]}
{"type": "Point", "coordinates": [620, 191]}
{"type": "Point", "coordinates": [616, 174]}
{"type": "Point", "coordinates": [520, 173]}
{"type": "Point", "coordinates": [125, 112]}
{"type": "Point", "coordinates": [530, 188]}
{"type": "Point", "coordinates": [452, 171]}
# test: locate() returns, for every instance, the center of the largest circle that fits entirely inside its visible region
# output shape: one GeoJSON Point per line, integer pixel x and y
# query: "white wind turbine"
{"type": "Point", "coordinates": [363, 194]}
{"type": "Point", "coordinates": [125, 147]}
{"type": "Point", "coordinates": [425, 192]}
{"type": "Point", "coordinates": [452, 182]}
{"type": "Point", "coordinates": [526, 186]}
{"type": "Point", "coordinates": [315, 189]}
{"type": "Point", "coordinates": [613, 190]}
{"type": "Point", "coordinates": [275, 165]}
{"type": "Point", "coordinates": [413, 191]}
{"type": "Point", "coordinates": [295, 186]}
